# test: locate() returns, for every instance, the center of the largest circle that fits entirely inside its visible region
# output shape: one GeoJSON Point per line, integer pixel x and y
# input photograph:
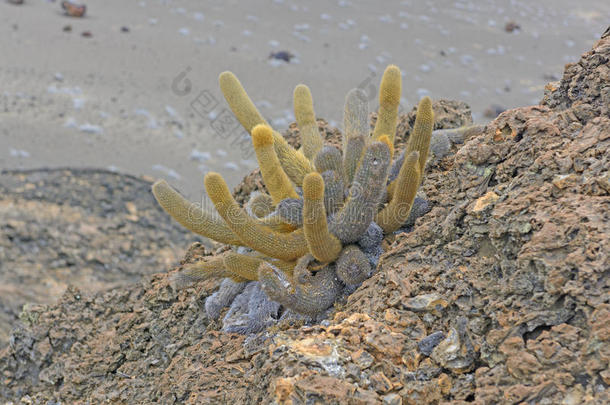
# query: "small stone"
{"type": "Point", "coordinates": [484, 201]}
{"type": "Point", "coordinates": [131, 208]}
{"type": "Point", "coordinates": [517, 393]}
{"type": "Point", "coordinates": [362, 359]}
{"type": "Point", "coordinates": [522, 364]}
{"type": "Point", "coordinates": [453, 354]}
{"type": "Point", "coordinates": [352, 371]}
{"type": "Point", "coordinates": [380, 383]}
{"type": "Point", "coordinates": [512, 26]}
{"type": "Point", "coordinates": [283, 389]}
{"type": "Point", "coordinates": [605, 375]}
{"type": "Point", "coordinates": [73, 9]}
{"type": "Point", "coordinates": [604, 182]}
{"type": "Point", "coordinates": [425, 303]}
{"type": "Point", "coordinates": [427, 344]}
{"type": "Point", "coordinates": [562, 181]}
{"type": "Point", "coordinates": [310, 347]}
{"type": "Point", "coordinates": [439, 145]}
{"type": "Point", "coordinates": [281, 55]}
{"type": "Point", "coordinates": [444, 381]}
{"type": "Point", "coordinates": [392, 399]}
{"type": "Point", "coordinates": [512, 344]}
{"type": "Point", "coordinates": [411, 360]}
{"type": "Point", "coordinates": [575, 396]}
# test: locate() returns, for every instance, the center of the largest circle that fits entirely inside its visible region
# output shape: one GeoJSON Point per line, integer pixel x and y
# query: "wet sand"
{"type": "Point", "coordinates": [140, 94]}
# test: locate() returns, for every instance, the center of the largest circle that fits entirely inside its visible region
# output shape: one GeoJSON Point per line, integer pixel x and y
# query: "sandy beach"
{"type": "Point", "coordinates": [132, 86]}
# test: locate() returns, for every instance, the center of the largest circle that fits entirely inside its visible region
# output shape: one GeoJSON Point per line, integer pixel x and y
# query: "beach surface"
{"type": "Point", "coordinates": [133, 87]}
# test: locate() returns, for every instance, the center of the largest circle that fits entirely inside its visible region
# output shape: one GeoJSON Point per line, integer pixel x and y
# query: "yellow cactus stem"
{"type": "Point", "coordinates": [389, 101]}
{"type": "Point", "coordinates": [276, 181]}
{"type": "Point", "coordinates": [246, 267]}
{"type": "Point", "coordinates": [329, 158]}
{"type": "Point", "coordinates": [386, 139]}
{"type": "Point", "coordinates": [259, 205]}
{"type": "Point", "coordinates": [419, 140]}
{"type": "Point", "coordinates": [244, 109]}
{"type": "Point", "coordinates": [390, 190]}
{"type": "Point", "coordinates": [284, 246]}
{"type": "Point", "coordinates": [203, 270]}
{"type": "Point", "coordinates": [294, 163]}
{"type": "Point", "coordinates": [193, 217]}
{"type": "Point", "coordinates": [286, 267]}
{"type": "Point", "coordinates": [322, 245]}
{"type": "Point", "coordinates": [306, 120]}
{"type": "Point", "coordinates": [394, 215]}
{"type": "Point", "coordinates": [355, 131]}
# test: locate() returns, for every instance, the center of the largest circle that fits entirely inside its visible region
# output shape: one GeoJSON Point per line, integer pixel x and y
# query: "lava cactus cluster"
{"type": "Point", "coordinates": [317, 232]}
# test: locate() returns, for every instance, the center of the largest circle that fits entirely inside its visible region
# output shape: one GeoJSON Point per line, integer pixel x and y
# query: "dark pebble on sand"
{"type": "Point", "coordinates": [512, 26]}
{"type": "Point", "coordinates": [282, 55]}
